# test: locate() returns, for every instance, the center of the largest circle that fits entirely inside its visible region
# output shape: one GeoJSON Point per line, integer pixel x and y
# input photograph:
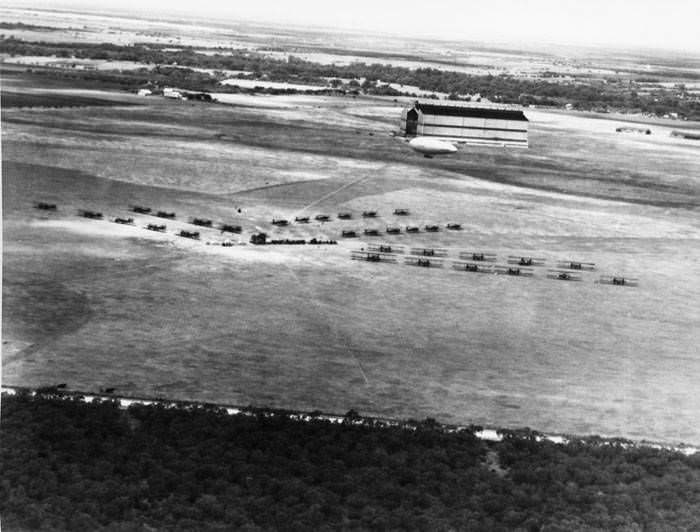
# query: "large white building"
{"type": "Point", "coordinates": [465, 122]}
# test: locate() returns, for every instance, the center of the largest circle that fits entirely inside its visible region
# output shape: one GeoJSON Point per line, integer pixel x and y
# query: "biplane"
{"type": "Point", "coordinates": [393, 230]}
{"type": "Point", "coordinates": [575, 265]}
{"type": "Point", "coordinates": [423, 262]}
{"type": "Point", "coordinates": [525, 261]}
{"type": "Point", "coordinates": [344, 216]}
{"type": "Point", "coordinates": [478, 256]}
{"type": "Point", "coordinates": [563, 275]}
{"type": "Point", "coordinates": [93, 215]}
{"type": "Point", "coordinates": [372, 256]}
{"type": "Point", "coordinates": [429, 252]}
{"type": "Point", "coordinates": [513, 270]}
{"type": "Point", "coordinates": [201, 222]}
{"type": "Point", "coordinates": [401, 212]}
{"type": "Point", "coordinates": [454, 227]}
{"type": "Point", "coordinates": [124, 221]}
{"type": "Point", "coordinates": [280, 222]}
{"type": "Point", "coordinates": [322, 218]}
{"type": "Point", "coordinates": [617, 280]}
{"type": "Point", "coordinates": [463, 266]}
{"type": "Point", "coordinates": [194, 235]}
{"type": "Point", "coordinates": [228, 228]}
{"type": "Point", "coordinates": [349, 233]}
{"type": "Point", "coordinates": [385, 248]}
{"type": "Point", "coordinates": [301, 219]}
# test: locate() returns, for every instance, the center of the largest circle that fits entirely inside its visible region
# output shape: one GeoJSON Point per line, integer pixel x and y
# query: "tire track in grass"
{"type": "Point", "coordinates": [333, 328]}
{"type": "Point", "coordinates": [332, 193]}
{"type": "Point", "coordinates": [305, 287]}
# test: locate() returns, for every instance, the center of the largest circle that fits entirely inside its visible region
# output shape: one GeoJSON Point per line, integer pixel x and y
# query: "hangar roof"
{"type": "Point", "coordinates": [471, 111]}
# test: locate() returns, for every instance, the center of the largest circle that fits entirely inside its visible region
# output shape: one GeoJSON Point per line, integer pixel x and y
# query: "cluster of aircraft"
{"type": "Point", "coordinates": [396, 230]}
{"type": "Point", "coordinates": [199, 222]}
{"type": "Point", "coordinates": [474, 261]}
{"type": "Point", "coordinates": [345, 215]}
{"type": "Point", "coordinates": [369, 214]}
{"type": "Point", "coordinates": [160, 228]}
{"type": "Point", "coordinates": [279, 222]}
{"type": "Point", "coordinates": [483, 262]}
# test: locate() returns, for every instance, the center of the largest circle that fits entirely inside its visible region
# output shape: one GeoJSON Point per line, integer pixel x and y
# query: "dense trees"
{"type": "Point", "coordinates": [68, 465]}
{"type": "Point", "coordinates": [612, 93]}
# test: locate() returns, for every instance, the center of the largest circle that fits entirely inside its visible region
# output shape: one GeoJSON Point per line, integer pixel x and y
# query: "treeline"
{"type": "Point", "coordinates": [159, 77]}
{"type": "Point", "coordinates": [22, 26]}
{"type": "Point", "coordinates": [69, 465]}
{"type": "Point", "coordinates": [611, 94]}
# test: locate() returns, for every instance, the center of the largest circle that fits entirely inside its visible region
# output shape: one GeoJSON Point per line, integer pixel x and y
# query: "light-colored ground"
{"type": "Point", "coordinates": [95, 304]}
{"type": "Point", "coordinates": [252, 84]}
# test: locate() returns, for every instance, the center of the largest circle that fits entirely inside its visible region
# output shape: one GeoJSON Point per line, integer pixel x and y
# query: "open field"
{"type": "Point", "coordinates": [95, 304]}
{"type": "Point", "coordinates": [331, 46]}
{"type": "Point", "coordinates": [28, 99]}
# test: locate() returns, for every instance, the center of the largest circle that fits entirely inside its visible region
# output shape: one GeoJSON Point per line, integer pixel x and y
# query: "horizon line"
{"type": "Point", "coordinates": [504, 44]}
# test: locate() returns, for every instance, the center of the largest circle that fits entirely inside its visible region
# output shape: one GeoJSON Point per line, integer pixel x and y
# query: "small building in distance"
{"type": "Point", "coordinates": [172, 93]}
{"type": "Point", "coordinates": [466, 122]}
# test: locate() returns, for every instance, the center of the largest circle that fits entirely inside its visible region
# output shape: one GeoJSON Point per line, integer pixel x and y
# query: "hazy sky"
{"type": "Point", "coordinates": [652, 23]}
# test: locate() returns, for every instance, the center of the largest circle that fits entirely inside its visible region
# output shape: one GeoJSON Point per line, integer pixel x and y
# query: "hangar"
{"type": "Point", "coordinates": [466, 122]}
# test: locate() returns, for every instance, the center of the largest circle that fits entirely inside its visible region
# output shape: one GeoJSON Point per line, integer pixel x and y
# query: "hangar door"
{"type": "Point", "coordinates": [411, 123]}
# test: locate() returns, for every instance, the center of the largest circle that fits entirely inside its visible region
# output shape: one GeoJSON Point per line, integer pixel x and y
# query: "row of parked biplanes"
{"type": "Point", "coordinates": [237, 229]}
{"type": "Point", "coordinates": [397, 230]}
{"type": "Point", "coordinates": [161, 228]}
{"type": "Point", "coordinates": [340, 216]}
{"type": "Point", "coordinates": [390, 229]}
{"type": "Point", "coordinates": [202, 222]}
{"type": "Point", "coordinates": [483, 262]}
{"type": "Point", "coordinates": [279, 222]}
{"type": "Point", "coordinates": [158, 227]}
{"type": "Point", "coordinates": [260, 238]}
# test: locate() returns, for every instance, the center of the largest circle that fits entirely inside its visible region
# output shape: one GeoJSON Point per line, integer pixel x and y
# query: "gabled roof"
{"type": "Point", "coordinates": [470, 111]}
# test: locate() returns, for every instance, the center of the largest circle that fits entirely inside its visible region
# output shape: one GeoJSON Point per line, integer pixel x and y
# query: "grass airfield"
{"type": "Point", "coordinates": [96, 304]}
